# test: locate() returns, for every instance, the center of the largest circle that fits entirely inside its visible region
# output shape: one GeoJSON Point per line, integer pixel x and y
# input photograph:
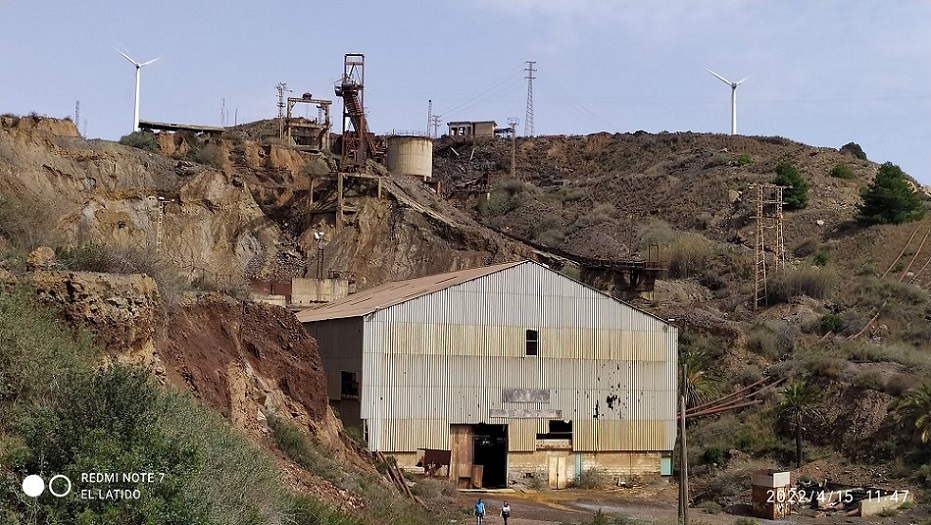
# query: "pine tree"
{"type": "Point", "coordinates": [795, 192]}
{"type": "Point", "coordinates": [889, 199]}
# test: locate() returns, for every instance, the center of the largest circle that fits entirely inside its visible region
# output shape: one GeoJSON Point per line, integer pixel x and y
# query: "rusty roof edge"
{"type": "Point", "coordinates": [384, 287]}
{"type": "Point", "coordinates": [502, 267]}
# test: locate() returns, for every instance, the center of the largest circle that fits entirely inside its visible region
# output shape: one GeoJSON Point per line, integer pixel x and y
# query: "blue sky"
{"type": "Point", "coordinates": [823, 73]}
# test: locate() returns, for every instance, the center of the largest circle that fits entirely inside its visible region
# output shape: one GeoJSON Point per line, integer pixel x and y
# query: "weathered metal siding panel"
{"type": "Point", "coordinates": [445, 358]}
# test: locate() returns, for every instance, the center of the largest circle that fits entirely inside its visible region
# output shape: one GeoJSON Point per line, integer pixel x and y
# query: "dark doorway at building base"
{"type": "Point", "coordinates": [491, 451]}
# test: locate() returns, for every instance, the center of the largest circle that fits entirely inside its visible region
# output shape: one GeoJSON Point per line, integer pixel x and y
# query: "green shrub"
{"type": "Point", "coordinates": [118, 420]}
{"type": "Point", "coordinates": [852, 148]}
{"type": "Point", "coordinates": [710, 507]}
{"type": "Point", "coordinates": [744, 159]}
{"type": "Point", "coordinates": [822, 258]}
{"type": "Point", "coordinates": [795, 188]}
{"type": "Point", "coordinates": [831, 323]}
{"type": "Point", "coordinates": [288, 438]}
{"type": "Point", "coordinates": [714, 456]}
{"type": "Point", "coordinates": [144, 140]}
{"type": "Point", "coordinates": [841, 171]}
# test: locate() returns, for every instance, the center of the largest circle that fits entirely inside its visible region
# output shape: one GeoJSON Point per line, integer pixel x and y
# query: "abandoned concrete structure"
{"type": "Point", "coordinates": [502, 371]}
{"type": "Point", "coordinates": [479, 129]}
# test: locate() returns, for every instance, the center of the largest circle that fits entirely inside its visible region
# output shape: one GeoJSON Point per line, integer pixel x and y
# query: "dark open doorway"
{"type": "Point", "coordinates": [491, 451]}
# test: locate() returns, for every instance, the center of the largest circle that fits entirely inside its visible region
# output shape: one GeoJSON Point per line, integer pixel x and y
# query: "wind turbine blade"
{"type": "Point", "coordinates": [127, 57]}
{"type": "Point", "coordinates": [159, 58]}
{"type": "Point", "coordinates": [722, 79]}
{"type": "Point", "coordinates": [741, 81]}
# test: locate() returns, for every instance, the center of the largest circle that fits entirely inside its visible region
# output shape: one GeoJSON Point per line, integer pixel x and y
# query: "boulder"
{"type": "Point", "coordinates": [42, 258]}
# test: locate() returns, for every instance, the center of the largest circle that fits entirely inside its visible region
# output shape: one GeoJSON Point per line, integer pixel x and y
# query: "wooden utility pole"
{"type": "Point", "coordinates": [683, 464]}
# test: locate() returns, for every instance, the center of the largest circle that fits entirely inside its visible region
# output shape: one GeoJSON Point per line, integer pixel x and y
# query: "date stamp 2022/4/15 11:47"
{"type": "Point", "coordinates": [800, 496]}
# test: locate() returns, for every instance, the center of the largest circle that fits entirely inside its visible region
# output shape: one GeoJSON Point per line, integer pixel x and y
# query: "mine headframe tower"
{"type": "Point", "coordinates": [357, 143]}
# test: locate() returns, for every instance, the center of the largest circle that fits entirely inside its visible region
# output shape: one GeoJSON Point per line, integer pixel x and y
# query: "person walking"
{"type": "Point", "coordinates": [479, 512]}
{"type": "Point", "coordinates": [505, 512]}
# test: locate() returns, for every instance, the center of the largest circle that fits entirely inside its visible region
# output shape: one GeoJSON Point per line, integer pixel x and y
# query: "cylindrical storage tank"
{"type": "Point", "coordinates": [409, 155]}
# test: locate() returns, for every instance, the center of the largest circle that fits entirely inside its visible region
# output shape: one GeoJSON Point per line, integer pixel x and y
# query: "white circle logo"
{"type": "Point", "coordinates": [67, 482]}
{"type": "Point", "coordinates": [33, 486]}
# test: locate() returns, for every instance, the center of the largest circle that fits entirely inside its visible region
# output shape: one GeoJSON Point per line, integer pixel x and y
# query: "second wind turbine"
{"type": "Point", "coordinates": [733, 86]}
{"type": "Point", "coordinates": [138, 68]}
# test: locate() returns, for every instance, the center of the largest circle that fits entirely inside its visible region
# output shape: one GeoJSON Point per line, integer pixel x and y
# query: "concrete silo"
{"type": "Point", "coordinates": [410, 155]}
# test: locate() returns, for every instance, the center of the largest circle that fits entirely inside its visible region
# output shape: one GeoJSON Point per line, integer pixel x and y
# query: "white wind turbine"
{"type": "Point", "coordinates": [733, 86]}
{"type": "Point", "coordinates": [138, 69]}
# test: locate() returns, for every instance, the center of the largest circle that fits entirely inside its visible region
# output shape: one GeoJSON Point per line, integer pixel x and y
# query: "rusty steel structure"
{"type": "Point", "coordinates": [358, 143]}
{"type": "Point", "coordinates": [313, 134]}
{"type": "Point", "coordinates": [769, 235]}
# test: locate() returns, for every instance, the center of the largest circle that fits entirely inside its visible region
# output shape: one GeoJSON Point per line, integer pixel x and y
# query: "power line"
{"type": "Point", "coordinates": [485, 94]}
{"type": "Point", "coordinates": [528, 118]}
{"type": "Point", "coordinates": [429, 116]}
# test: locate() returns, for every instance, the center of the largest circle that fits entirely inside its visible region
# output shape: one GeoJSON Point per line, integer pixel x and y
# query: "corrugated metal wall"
{"type": "Point", "coordinates": [445, 358]}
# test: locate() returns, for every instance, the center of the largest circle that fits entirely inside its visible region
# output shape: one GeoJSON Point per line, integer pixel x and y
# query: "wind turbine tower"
{"type": "Point", "coordinates": [138, 69]}
{"type": "Point", "coordinates": [733, 86]}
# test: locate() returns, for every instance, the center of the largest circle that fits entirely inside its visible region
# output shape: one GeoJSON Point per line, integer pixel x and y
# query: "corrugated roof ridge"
{"type": "Point", "coordinates": [440, 281]}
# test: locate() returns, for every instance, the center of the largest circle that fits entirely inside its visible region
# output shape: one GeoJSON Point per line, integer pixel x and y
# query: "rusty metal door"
{"type": "Point", "coordinates": [460, 455]}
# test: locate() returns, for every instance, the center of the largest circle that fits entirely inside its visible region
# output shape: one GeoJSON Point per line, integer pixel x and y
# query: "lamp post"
{"type": "Point", "coordinates": [321, 243]}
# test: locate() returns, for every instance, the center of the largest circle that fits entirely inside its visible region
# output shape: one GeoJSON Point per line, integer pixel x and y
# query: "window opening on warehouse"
{"type": "Point", "coordinates": [350, 385]}
{"type": "Point", "coordinates": [533, 342]}
{"type": "Point", "coordinates": [557, 430]}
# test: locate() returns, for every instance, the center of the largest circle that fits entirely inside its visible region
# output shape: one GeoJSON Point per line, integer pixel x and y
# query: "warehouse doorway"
{"type": "Point", "coordinates": [490, 450]}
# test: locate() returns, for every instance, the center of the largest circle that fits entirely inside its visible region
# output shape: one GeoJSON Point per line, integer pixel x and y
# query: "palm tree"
{"type": "Point", "coordinates": [915, 410]}
{"type": "Point", "coordinates": [701, 384]}
{"type": "Point", "coordinates": [797, 407]}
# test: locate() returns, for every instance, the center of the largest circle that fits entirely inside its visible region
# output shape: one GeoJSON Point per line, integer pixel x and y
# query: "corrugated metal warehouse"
{"type": "Point", "coordinates": [514, 367]}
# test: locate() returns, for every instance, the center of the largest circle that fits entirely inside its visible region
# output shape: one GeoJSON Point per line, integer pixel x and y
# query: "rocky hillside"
{"type": "Point", "coordinates": [848, 317]}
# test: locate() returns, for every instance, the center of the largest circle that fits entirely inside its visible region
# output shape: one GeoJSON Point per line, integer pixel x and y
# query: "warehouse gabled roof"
{"type": "Point", "coordinates": [390, 294]}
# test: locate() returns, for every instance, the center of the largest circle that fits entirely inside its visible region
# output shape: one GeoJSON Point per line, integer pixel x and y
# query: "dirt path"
{"type": "Point", "coordinates": [652, 505]}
